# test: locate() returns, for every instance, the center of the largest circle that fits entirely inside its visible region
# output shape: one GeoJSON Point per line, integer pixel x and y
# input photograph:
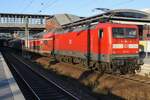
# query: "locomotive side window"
{"type": "Point", "coordinates": [118, 32]}
{"type": "Point", "coordinates": [100, 33]}
{"type": "Point", "coordinates": [124, 32]}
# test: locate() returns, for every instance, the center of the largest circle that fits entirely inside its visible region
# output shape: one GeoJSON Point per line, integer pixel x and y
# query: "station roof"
{"type": "Point", "coordinates": [118, 16]}
{"type": "Point", "coordinates": [62, 19]}
{"type": "Point", "coordinates": [128, 13]}
{"type": "Point", "coordinates": [129, 16]}
{"type": "Point", "coordinates": [66, 18]}
{"type": "Point", "coordinates": [17, 14]}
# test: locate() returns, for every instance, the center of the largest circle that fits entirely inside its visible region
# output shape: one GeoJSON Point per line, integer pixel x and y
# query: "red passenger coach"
{"type": "Point", "coordinates": [42, 44]}
{"type": "Point", "coordinates": [47, 43]}
{"type": "Point", "coordinates": [31, 44]}
{"type": "Point", "coordinates": [35, 45]}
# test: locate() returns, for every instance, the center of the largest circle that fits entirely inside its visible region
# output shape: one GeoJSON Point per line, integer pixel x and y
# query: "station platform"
{"type": "Point", "coordinates": [9, 89]}
{"type": "Point", "coordinates": [145, 69]}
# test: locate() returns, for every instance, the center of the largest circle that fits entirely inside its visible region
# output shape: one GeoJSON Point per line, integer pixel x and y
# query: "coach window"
{"type": "Point", "coordinates": [100, 33]}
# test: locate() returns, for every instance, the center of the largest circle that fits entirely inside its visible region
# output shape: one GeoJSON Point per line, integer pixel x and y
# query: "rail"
{"type": "Point", "coordinates": [41, 87]}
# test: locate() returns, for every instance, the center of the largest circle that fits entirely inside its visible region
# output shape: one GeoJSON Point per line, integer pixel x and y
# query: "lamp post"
{"type": "Point", "coordinates": [27, 34]}
{"type": "Point", "coordinates": [27, 31]}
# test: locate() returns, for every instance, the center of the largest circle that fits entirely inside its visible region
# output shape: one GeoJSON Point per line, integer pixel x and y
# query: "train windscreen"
{"type": "Point", "coordinates": [124, 33]}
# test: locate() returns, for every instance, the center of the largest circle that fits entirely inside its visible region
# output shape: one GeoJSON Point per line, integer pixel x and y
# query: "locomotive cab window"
{"type": "Point", "coordinates": [130, 33]}
{"type": "Point", "coordinates": [118, 32]}
{"type": "Point", "coordinates": [100, 33]}
{"type": "Point", "coordinates": [124, 33]}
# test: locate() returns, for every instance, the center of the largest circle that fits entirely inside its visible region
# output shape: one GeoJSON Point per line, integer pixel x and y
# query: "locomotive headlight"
{"type": "Point", "coordinates": [133, 46]}
{"type": "Point", "coordinates": [117, 46]}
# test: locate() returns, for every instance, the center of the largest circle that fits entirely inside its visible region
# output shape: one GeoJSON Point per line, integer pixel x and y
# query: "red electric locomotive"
{"type": "Point", "coordinates": [103, 47]}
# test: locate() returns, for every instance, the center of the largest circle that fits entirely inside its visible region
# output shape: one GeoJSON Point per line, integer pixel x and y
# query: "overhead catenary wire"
{"type": "Point", "coordinates": [47, 5]}
{"type": "Point", "coordinates": [26, 7]}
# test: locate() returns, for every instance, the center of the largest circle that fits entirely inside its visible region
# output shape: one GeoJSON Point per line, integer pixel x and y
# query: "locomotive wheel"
{"type": "Point", "coordinates": [84, 62]}
{"type": "Point", "coordinates": [138, 68]}
{"type": "Point", "coordinates": [104, 66]}
{"type": "Point", "coordinates": [97, 67]}
{"type": "Point", "coordinates": [100, 67]}
{"type": "Point", "coordinates": [114, 68]}
{"type": "Point", "coordinates": [70, 60]}
{"type": "Point", "coordinates": [61, 59]}
{"type": "Point", "coordinates": [108, 68]}
{"type": "Point", "coordinates": [124, 69]}
{"type": "Point", "coordinates": [92, 66]}
{"type": "Point", "coordinates": [76, 60]}
{"type": "Point", "coordinates": [132, 69]}
{"type": "Point", "coordinates": [65, 59]}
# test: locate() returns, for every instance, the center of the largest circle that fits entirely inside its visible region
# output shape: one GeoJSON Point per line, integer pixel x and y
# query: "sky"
{"type": "Point", "coordinates": [77, 7]}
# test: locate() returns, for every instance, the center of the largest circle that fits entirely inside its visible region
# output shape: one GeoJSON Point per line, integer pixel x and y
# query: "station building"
{"type": "Point", "coordinates": [15, 24]}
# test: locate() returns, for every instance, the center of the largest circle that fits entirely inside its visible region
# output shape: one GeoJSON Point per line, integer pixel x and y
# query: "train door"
{"type": "Point", "coordinates": [100, 38]}
{"type": "Point", "coordinates": [104, 43]}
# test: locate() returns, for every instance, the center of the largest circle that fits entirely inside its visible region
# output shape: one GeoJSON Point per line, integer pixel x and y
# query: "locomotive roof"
{"type": "Point", "coordinates": [119, 14]}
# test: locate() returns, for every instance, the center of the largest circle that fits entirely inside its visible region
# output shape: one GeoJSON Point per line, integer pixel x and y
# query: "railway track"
{"type": "Point", "coordinates": [136, 78]}
{"type": "Point", "coordinates": [36, 86]}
